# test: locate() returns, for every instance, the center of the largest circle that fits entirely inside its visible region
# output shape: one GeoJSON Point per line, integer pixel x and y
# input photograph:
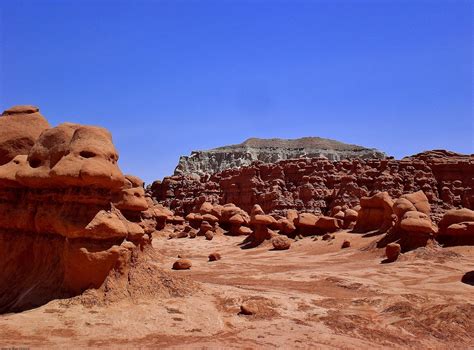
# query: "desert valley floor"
{"type": "Point", "coordinates": [314, 295]}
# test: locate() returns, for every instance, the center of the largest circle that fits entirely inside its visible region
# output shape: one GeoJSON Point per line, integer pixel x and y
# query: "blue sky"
{"type": "Point", "coordinates": [168, 77]}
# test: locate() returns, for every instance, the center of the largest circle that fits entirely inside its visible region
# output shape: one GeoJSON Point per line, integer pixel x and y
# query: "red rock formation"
{"type": "Point", "coordinates": [318, 185]}
{"type": "Point", "coordinates": [68, 216]}
{"type": "Point", "coordinates": [411, 225]}
{"type": "Point", "coordinates": [375, 213]}
{"type": "Point", "coordinates": [457, 227]}
{"type": "Point", "coordinates": [20, 127]}
{"type": "Point", "coordinates": [260, 224]}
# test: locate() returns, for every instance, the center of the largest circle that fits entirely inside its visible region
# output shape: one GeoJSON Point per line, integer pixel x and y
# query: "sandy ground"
{"type": "Point", "coordinates": [315, 295]}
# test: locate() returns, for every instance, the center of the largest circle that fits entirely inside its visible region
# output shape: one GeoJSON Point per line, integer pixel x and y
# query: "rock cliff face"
{"type": "Point", "coordinates": [317, 185]}
{"type": "Point", "coordinates": [69, 219]}
{"type": "Point", "coordinates": [270, 151]}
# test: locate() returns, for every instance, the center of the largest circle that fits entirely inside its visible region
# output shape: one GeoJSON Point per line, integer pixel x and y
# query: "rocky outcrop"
{"type": "Point", "coordinates": [69, 219]}
{"type": "Point", "coordinates": [316, 185]}
{"type": "Point", "coordinates": [410, 223]}
{"type": "Point", "coordinates": [457, 227]}
{"type": "Point", "coordinates": [20, 127]}
{"type": "Point", "coordinates": [269, 151]}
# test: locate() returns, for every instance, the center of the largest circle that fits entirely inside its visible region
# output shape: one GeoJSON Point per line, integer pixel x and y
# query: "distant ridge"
{"type": "Point", "coordinates": [270, 151]}
{"type": "Point", "coordinates": [304, 142]}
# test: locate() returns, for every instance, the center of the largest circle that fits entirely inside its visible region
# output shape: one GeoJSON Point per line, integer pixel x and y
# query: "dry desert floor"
{"type": "Point", "coordinates": [314, 295]}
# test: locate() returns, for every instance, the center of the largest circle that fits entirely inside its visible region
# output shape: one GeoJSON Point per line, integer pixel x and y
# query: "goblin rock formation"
{"type": "Point", "coordinates": [69, 219]}
{"type": "Point", "coordinates": [269, 151]}
{"type": "Point", "coordinates": [317, 185]}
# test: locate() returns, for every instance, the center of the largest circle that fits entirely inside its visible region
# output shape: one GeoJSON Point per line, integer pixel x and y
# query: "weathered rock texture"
{"type": "Point", "coordinates": [269, 151]}
{"type": "Point", "coordinates": [69, 219]}
{"type": "Point", "coordinates": [316, 185]}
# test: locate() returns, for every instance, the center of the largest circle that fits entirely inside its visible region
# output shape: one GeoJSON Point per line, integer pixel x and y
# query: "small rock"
{"type": "Point", "coordinates": [182, 264]}
{"type": "Point", "coordinates": [214, 257]}
{"type": "Point", "coordinates": [209, 235]}
{"type": "Point", "coordinates": [346, 244]}
{"type": "Point", "coordinates": [392, 251]}
{"type": "Point", "coordinates": [182, 234]}
{"type": "Point", "coordinates": [281, 243]}
{"type": "Point", "coordinates": [328, 237]}
{"type": "Point", "coordinates": [248, 308]}
{"type": "Point", "coordinates": [192, 234]}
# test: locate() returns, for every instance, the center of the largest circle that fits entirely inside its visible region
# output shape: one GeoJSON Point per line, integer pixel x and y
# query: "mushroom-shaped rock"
{"type": "Point", "coordinates": [210, 219]}
{"type": "Point", "coordinates": [227, 212]}
{"type": "Point", "coordinates": [375, 213]}
{"type": "Point", "coordinates": [177, 220]}
{"type": "Point", "coordinates": [161, 215]}
{"type": "Point", "coordinates": [205, 227]}
{"type": "Point", "coordinates": [281, 243]}
{"type": "Point", "coordinates": [194, 219]}
{"type": "Point", "coordinates": [132, 196]}
{"type": "Point", "coordinates": [416, 230]}
{"type": "Point", "coordinates": [419, 201]}
{"type": "Point", "coordinates": [412, 226]}
{"type": "Point", "coordinates": [260, 223]}
{"type": "Point", "coordinates": [261, 219]}
{"type": "Point", "coordinates": [401, 206]}
{"type": "Point", "coordinates": [236, 221]}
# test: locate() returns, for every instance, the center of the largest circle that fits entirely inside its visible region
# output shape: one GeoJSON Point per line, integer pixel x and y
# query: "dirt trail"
{"type": "Point", "coordinates": [315, 295]}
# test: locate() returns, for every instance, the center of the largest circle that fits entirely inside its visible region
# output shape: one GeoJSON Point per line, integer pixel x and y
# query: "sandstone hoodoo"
{"type": "Point", "coordinates": [269, 151]}
{"type": "Point", "coordinates": [69, 219]}
{"type": "Point", "coordinates": [457, 227]}
{"type": "Point", "coordinates": [317, 185]}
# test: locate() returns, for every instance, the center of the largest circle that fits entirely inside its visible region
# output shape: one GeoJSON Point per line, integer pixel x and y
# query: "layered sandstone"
{"type": "Point", "coordinates": [269, 151]}
{"type": "Point", "coordinates": [69, 219]}
{"type": "Point", "coordinates": [316, 185]}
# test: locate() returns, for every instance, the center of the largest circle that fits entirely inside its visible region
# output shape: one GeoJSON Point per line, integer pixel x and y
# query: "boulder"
{"type": "Point", "coordinates": [457, 228]}
{"type": "Point", "coordinates": [392, 251]}
{"type": "Point", "coordinates": [182, 264]}
{"type": "Point", "coordinates": [214, 257]}
{"type": "Point", "coordinates": [281, 243]}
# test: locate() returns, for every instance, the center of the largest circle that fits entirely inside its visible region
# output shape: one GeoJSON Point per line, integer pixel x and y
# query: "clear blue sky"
{"type": "Point", "coordinates": [168, 77]}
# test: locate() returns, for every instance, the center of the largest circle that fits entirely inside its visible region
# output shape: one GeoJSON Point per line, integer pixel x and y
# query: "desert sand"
{"type": "Point", "coordinates": [314, 295]}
